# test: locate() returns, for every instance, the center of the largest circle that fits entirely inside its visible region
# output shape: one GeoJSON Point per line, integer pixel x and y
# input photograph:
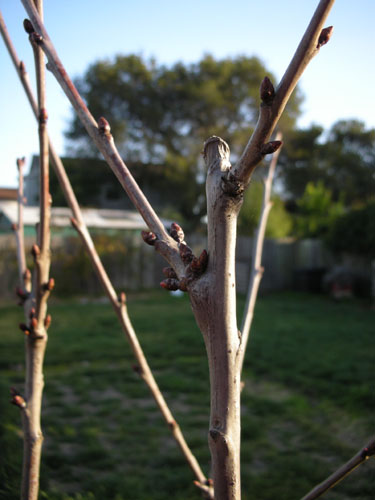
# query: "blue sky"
{"type": "Point", "coordinates": [337, 84]}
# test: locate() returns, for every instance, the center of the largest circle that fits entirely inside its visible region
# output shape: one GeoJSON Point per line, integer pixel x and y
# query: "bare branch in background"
{"type": "Point", "coordinates": [256, 268]}
{"type": "Point", "coordinates": [359, 458]}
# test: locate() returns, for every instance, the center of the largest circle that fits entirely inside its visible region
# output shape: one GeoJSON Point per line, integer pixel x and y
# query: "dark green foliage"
{"type": "Point", "coordinates": [307, 405]}
{"type": "Point", "coordinates": [343, 160]}
{"type": "Point", "coordinates": [354, 232]}
{"type": "Point", "coordinates": [160, 117]}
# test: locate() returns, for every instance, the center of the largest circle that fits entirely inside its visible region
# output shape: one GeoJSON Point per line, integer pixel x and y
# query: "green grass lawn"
{"type": "Point", "coordinates": [307, 406]}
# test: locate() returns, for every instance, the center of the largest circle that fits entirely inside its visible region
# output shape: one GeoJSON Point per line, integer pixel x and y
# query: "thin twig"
{"type": "Point", "coordinates": [256, 268]}
{"type": "Point", "coordinates": [359, 458]}
{"type": "Point", "coordinates": [274, 101]}
{"type": "Point", "coordinates": [120, 309]}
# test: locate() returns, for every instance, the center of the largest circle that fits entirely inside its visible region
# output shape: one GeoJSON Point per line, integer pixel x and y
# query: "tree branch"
{"type": "Point", "coordinates": [256, 256]}
{"type": "Point", "coordinates": [359, 458]}
{"type": "Point", "coordinates": [36, 339]}
{"type": "Point", "coordinates": [274, 101]}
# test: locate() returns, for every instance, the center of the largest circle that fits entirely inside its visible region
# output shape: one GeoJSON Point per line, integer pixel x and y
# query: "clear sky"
{"type": "Point", "coordinates": [338, 84]}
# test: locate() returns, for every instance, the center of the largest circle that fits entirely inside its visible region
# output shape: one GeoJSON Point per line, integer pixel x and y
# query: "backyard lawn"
{"type": "Point", "coordinates": [307, 407]}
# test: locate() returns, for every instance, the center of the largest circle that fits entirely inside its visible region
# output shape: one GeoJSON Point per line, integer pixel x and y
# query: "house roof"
{"type": "Point", "coordinates": [8, 194]}
{"type": "Point", "coordinates": [60, 216]}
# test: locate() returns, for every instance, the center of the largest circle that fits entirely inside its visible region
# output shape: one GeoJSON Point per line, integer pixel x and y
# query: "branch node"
{"type": "Point", "coordinates": [267, 91]}
{"type": "Point", "coordinates": [324, 36]}
{"type": "Point", "coordinates": [43, 116]}
{"type": "Point", "coordinates": [231, 185]}
{"type": "Point", "coordinates": [149, 237]}
{"type": "Point", "coordinates": [270, 147]}
{"type": "Point", "coordinates": [199, 265]}
{"type": "Point", "coordinates": [36, 38]}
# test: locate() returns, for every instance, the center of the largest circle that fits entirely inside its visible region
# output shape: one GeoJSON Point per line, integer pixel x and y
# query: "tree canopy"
{"type": "Point", "coordinates": [343, 160]}
{"type": "Point", "coordinates": [162, 115]}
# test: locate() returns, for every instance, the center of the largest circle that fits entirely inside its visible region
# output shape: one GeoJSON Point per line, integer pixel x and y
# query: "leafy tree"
{"type": "Point", "coordinates": [354, 232]}
{"type": "Point", "coordinates": [161, 115]}
{"type": "Point", "coordinates": [316, 211]}
{"type": "Point", "coordinates": [280, 222]}
{"type": "Point", "coordinates": [344, 160]}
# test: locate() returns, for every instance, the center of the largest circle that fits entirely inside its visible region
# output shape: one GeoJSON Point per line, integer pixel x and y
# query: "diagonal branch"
{"type": "Point", "coordinates": [101, 135]}
{"type": "Point", "coordinates": [256, 256]}
{"type": "Point", "coordinates": [359, 458]}
{"type": "Point", "coordinates": [119, 305]}
{"type": "Point", "coordinates": [274, 101]}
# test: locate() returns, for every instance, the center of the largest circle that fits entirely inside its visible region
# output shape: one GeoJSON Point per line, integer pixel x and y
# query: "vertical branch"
{"type": "Point", "coordinates": [256, 268]}
{"type": "Point", "coordinates": [36, 339]}
{"type": "Point", "coordinates": [19, 229]}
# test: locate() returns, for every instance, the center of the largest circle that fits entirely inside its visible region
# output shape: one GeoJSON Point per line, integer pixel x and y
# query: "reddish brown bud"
{"type": "Point", "coordinates": [22, 68]}
{"type": "Point", "coordinates": [74, 223]}
{"type": "Point", "coordinates": [24, 328]}
{"type": "Point", "coordinates": [27, 274]}
{"type": "Point", "coordinates": [267, 91]}
{"type": "Point", "coordinates": [43, 116]}
{"type": "Point", "coordinates": [270, 147]}
{"type": "Point", "coordinates": [183, 285]}
{"type": "Point", "coordinates": [149, 237]}
{"type": "Point", "coordinates": [32, 312]}
{"type": "Point", "coordinates": [172, 424]}
{"type": "Point", "coordinates": [199, 265]}
{"type": "Point", "coordinates": [21, 293]}
{"type": "Point", "coordinates": [50, 285]}
{"type": "Point", "coordinates": [17, 399]}
{"type": "Point", "coordinates": [29, 28]}
{"type": "Point", "coordinates": [176, 232]}
{"type": "Point", "coordinates": [186, 253]}
{"type": "Point", "coordinates": [35, 251]}
{"type": "Point", "coordinates": [324, 36]}
{"type": "Point", "coordinates": [169, 272]}
{"type": "Point", "coordinates": [137, 369]}
{"type": "Point", "coordinates": [170, 284]}
{"type": "Point", "coordinates": [47, 321]}
{"type": "Point", "coordinates": [104, 127]}
{"type": "Point", "coordinates": [33, 323]}
{"type": "Point", "coordinates": [14, 226]}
